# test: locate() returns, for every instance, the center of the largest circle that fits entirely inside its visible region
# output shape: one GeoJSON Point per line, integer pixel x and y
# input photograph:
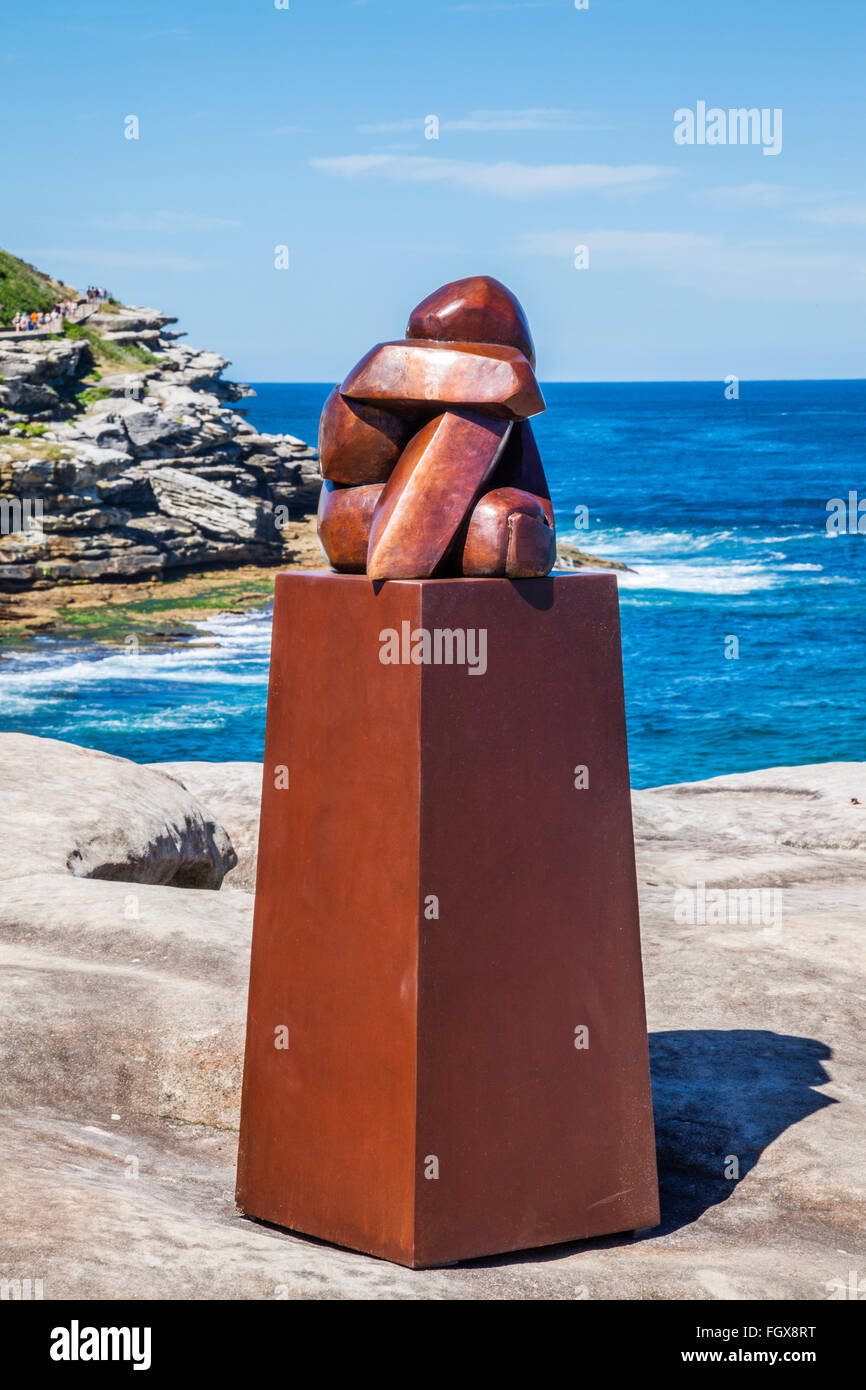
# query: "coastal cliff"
{"type": "Point", "coordinates": [122, 459]}
{"type": "Point", "coordinates": [135, 498]}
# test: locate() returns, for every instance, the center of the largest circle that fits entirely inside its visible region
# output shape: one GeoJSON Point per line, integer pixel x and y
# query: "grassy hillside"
{"type": "Point", "coordinates": [122, 356]}
{"type": "Point", "coordinates": [23, 287]}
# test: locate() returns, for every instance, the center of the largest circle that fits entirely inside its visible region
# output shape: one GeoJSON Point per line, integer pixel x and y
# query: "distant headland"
{"type": "Point", "coordinates": [132, 492]}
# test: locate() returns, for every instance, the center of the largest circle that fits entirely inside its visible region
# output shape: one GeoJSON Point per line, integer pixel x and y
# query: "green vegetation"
{"type": "Point", "coordinates": [111, 354]}
{"type": "Point", "coordinates": [153, 619]}
{"type": "Point", "coordinates": [91, 394]}
{"type": "Point", "coordinates": [16, 450]}
{"type": "Point", "coordinates": [166, 612]}
{"type": "Point", "coordinates": [23, 288]}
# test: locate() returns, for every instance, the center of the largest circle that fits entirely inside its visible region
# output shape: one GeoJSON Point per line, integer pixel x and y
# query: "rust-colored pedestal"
{"type": "Point", "coordinates": [446, 1048]}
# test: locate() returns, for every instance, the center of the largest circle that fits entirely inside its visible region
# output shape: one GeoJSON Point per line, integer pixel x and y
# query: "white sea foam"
{"type": "Point", "coordinates": [620, 544]}
{"type": "Point", "coordinates": [699, 579]}
{"type": "Point", "coordinates": [119, 670]}
{"type": "Point", "coordinates": [685, 562]}
{"type": "Point", "coordinates": [196, 717]}
{"type": "Point", "coordinates": [231, 650]}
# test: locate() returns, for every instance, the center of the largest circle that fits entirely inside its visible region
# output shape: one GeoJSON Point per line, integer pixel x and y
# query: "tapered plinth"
{"type": "Point", "coordinates": [446, 1049]}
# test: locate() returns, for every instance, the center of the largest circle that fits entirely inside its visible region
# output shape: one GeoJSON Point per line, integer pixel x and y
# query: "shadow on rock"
{"type": "Point", "coordinates": [720, 1097]}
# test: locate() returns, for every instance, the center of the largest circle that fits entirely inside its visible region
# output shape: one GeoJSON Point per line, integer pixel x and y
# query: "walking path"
{"type": "Point", "coordinates": [81, 311]}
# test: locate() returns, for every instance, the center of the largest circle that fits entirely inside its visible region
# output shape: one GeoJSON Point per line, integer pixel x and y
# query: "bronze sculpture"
{"type": "Point", "coordinates": [429, 461]}
{"type": "Point", "coordinates": [446, 1050]}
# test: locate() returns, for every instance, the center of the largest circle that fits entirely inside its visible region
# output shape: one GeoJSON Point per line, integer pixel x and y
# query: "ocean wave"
{"type": "Point", "coordinates": [719, 561]}
{"type": "Point", "coordinates": [194, 718]}
{"type": "Point", "coordinates": [789, 539]}
{"type": "Point", "coordinates": [122, 670]}
{"type": "Point", "coordinates": [621, 544]}
{"type": "Point", "coordinates": [230, 649]}
{"type": "Point", "coordinates": [699, 579]}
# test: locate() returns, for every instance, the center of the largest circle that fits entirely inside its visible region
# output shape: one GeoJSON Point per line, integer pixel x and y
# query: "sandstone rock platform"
{"type": "Point", "coordinates": [121, 1032]}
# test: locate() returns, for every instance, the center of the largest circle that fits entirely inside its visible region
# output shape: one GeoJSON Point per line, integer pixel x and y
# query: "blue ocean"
{"type": "Point", "coordinates": [742, 616]}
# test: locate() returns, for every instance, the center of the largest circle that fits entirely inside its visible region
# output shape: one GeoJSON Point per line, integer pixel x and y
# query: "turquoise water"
{"type": "Point", "coordinates": [720, 508]}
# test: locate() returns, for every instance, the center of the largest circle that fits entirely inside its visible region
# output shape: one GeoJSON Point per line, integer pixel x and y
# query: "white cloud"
{"type": "Point", "coordinates": [506, 178]}
{"type": "Point", "coordinates": [500, 5]}
{"type": "Point", "coordinates": [179, 32]}
{"type": "Point", "coordinates": [742, 195]}
{"type": "Point", "coordinates": [165, 222]}
{"type": "Point", "coordinates": [806, 207]}
{"type": "Point", "coordinates": [97, 258]}
{"type": "Point", "coordinates": [839, 215]}
{"type": "Point", "coordinates": [541, 118]}
{"type": "Point", "coordinates": [657, 248]}
{"type": "Point", "coordinates": [753, 270]}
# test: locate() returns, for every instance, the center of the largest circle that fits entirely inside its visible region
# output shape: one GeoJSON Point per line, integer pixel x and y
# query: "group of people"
{"type": "Point", "coordinates": [44, 318]}
{"type": "Point", "coordinates": [54, 318]}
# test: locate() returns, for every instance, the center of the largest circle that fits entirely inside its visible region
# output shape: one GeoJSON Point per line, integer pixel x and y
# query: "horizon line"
{"type": "Point", "coordinates": [608, 381]}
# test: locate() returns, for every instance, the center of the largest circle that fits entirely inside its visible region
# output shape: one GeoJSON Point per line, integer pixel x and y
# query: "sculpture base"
{"type": "Point", "coordinates": [446, 1047]}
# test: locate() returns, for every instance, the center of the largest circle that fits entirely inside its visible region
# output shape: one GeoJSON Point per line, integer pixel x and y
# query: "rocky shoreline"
{"type": "Point", "coordinates": [125, 919]}
{"type": "Point", "coordinates": [156, 612]}
{"type": "Point", "coordinates": [134, 498]}
{"type": "Point", "coordinates": [168, 609]}
{"type": "Point", "coordinates": [121, 459]}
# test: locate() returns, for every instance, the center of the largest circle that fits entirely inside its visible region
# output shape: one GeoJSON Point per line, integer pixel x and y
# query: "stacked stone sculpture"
{"type": "Point", "coordinates": [446, 1056]}
{"type": "Point", "coordinates": [429, 462]}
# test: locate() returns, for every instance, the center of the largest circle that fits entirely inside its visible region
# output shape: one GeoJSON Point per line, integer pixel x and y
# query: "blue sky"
{"type": "Point", "coordinates": [305, 127]}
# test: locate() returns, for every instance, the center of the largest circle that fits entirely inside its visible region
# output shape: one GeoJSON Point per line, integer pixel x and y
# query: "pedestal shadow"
{"type": "Point", "coordinates": [720, 1096]}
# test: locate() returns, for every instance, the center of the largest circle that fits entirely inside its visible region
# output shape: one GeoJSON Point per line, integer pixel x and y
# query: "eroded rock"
{"type": "Point", "coordinates": [72, 810]}
{"type": "Point", "coordinates": [232, 793]}
{"type": "Point", "coordinates": [121, 1039]}
{"type": "Point", "coordinates": [103, 442]}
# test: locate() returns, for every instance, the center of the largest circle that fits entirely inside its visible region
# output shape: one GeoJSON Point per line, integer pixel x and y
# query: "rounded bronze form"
{"type": "Point", "coordinates": [508, 537]}
{"type": "Point", "coordinates": [521, 467]}
{"type": "Point", "coordinates": [344, 518]}
{"type": "Point", "coordinates": [420, 428]}
{"type": "Point", "coordinates": [359, 443]}
{"type": "Point", "coordinates": [413, 377]}
{"type": "Point", "coordinates": [478, 309]}
{"type": "Point", "coordinates": [430, 493]}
